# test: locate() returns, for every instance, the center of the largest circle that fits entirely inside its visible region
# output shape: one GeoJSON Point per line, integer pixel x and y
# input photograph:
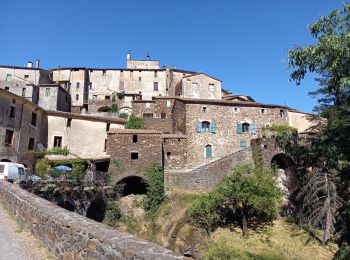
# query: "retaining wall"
{"type": "Point", "coordinates": [71, 236]}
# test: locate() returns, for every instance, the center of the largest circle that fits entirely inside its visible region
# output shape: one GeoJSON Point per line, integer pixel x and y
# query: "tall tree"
{"type": "Point", "coordinates": [329, 57]}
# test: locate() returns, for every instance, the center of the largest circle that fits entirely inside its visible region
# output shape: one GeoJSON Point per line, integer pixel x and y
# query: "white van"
{"type": "Point", "coordinates": [12, 171]}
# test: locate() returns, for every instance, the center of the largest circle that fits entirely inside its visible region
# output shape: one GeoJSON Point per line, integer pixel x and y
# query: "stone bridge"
{"type": "Point", "coordinates": [72, 236]}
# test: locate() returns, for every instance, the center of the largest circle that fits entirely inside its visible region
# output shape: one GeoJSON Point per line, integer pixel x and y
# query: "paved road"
{"type": "Point", "coordinates": [16, 243]}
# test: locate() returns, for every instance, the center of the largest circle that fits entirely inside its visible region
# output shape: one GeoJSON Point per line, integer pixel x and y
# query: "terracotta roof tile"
{"type": "Point", "coordinates": [133, 131]}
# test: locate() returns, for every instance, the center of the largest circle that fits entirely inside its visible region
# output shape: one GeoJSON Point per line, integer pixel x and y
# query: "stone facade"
{"type": "Point", "coordinates": [23, 125]}
{"type": "Point", "coordinates": [69, 235]}
{"type": "Point", "coordinates": [54, 97]}
{"type": "Point", "coordinates": [224, 115]}
{"type": "Point", "coordinates": [131, 150]}
{"type": "Point", "coordinates": [174, 150]}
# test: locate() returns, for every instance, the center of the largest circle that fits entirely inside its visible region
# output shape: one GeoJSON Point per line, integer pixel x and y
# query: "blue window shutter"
{"type": "Point", "coordinates": [198, 126]}
{"type": "Point", "coordinates": [239, 128]}
{"type": "Point", "coordinates": [213, 127]}
{"type": "Point", "coordinates": [243, 143]}
{"type": "Point", "coordinates": [253, 128]}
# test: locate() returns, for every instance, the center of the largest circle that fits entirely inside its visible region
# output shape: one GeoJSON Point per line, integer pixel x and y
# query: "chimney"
{"type": "Point", "coordinates": [29, 64]}
{"type": "Point", "coordinates": [128, 56]}
{"type": "Point", "coordinates": [37, 63]}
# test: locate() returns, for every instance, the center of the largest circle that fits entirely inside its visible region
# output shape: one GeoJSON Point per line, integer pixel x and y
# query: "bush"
{"type": "Point", "coordinates": [77, 172]}
{"type": "Point", "coordinates": [343, 253]}
{"type": "Point", "coordinates": [282, 128]}
{"type": "Point", "coordinates": [222, 250]}
{"type": "Point", "coordinates": [135, 122]}
{"type": "Point", "coordinates": [123, 115]}
{"type": "Point", "coordinates": [114, 108]}
{"type": "Point", "coordinates": [155, 187]}
{"type": "Point", "coordinates": [113, 214]}
{"type": "Point", "coordinates": [42, 168]}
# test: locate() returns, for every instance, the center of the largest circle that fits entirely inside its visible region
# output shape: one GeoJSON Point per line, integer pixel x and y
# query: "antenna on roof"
{"type": "Point", "coordinates": [148, 56]}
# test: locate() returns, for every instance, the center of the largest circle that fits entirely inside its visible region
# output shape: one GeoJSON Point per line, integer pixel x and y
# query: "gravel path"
{"type": "Point", "coordinates": [16, 243]}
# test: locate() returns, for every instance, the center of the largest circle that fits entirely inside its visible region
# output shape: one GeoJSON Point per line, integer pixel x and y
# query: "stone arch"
{"type": "Point", "coordinates": [282, 161]}
{"type": "Point", "coordinates": [97, 209]}
{"type": "Point", "coordinates": [66, 205]}
{"type": "Point", "coordinates": [5, 160]}
{"type": "Point", "coordinates": [104, 109]}
{"type": "Point", "coordinates": [132, 185]}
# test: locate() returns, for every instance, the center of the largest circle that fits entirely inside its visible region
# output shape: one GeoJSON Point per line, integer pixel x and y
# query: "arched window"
{"type": "Point", "coordinates": [245, 128]}
{"type": "Point", "coordinates": [205, 126]}
{"type": "Point", "coordinates": [163, 115]}
{"type": "Point", "coordinates": [208, 151]}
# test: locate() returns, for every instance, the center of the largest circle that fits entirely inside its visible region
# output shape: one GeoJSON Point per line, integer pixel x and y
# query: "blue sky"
{"type": "Point", "coordinates": [241, 42]}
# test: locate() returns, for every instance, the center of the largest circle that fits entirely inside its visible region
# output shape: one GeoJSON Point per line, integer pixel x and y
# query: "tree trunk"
{"type": "Point", "coordinates": [327, 229]}
{"type": "Point", "coordinates": [244, 223]}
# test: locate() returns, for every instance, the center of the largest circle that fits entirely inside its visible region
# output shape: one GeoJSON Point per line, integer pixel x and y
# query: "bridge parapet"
{"type": "Point", "coordinates": [71, 236]}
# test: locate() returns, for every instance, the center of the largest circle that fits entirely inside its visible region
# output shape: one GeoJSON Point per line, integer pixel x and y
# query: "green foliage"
{"type": "Point", "coordinates": [135, 122]}
{"type": "Point", "coordinates": [77, 172]}
{"type": "Point", "coordinates": [114, 108]}
{"type": "Point", "coordinates": [119, 165]}
{"type": "Point", "coordinates": [113, 214]}
{"type": "Point", "coordinates": [42, 168]}
{"type": "Point", "coordinates": [54, 151]}
{"type": "Point", "coordinates": [222, 250]}
{"type": "Point", "coordinates": [68, 161]}
{"type": "Point", "coordinates": [280, 128]}
{"type": "Point", "coordinates": [343, 253]}
{"type": "Point", "coordinates": [131, 223]}
{"type": "Point", "coordinates": [155, 186]}
{"type": "Point", "coordinates": [114, 96]}
{"type": "Point", "coordinates": [247, 194]}
{"type": "Point", "coordinates": [123, 115]}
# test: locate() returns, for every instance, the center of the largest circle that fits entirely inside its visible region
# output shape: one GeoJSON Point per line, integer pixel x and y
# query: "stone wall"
{"type": "Point", "coordinates": [71, 236]}
{"type": "Point", "coordinates": [207, 176]}
{"type": "Point", "coordinates": [164, 125]}
{"type": "Point", "coordinates": [174, 149]}
{"type": "Point", "coordinates": [120, 146]}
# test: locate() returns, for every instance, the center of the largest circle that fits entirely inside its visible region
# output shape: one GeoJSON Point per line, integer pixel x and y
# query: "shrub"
{"type": "Point", "coordinates": [113, 214]}
{"type": "Point", "coordinates": [280, 128]}
{"type": "Point", "coordinates": [123, 115]}
{"type": "Point", "coordinates": [114, 108]}
{"type": "Point", "coordinates": [155, 186]}
{"type": "Point", "coordinates": [135, 122]}
{"type": "Point", "coordinates": [343, 253]}
{"type": "Point", "coordinates": [222, 250]}
{"type": "Point", "coordinates": [77, 172]}
{"type": "Point", "coordinates": [42, 168]}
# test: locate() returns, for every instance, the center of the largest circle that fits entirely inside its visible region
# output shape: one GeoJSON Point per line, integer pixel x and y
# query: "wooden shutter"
{"type": "Point", "coordinates": [198, 126]}
{"type": "Point", "coordinates": [239, 128]}
{"type": "Point", "coordinates": [253, 128]}
{"type": "Point", "coordinates": [213, 127]}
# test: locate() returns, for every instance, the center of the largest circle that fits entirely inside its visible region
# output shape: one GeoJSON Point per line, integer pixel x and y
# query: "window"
{"type": "Point", "coordinates": [34, 118]}
{"type": "Point", "coordinates": [155, 74]}
{"type": "Point", "coordinates": [243, 143]}
{"type": "Point", "coordinates": [108, 126]}
{"type": "Point", "coordinates": [12, 112]}
{"type": "Point", "coordinates": [57, 141]}
{"type": "Point", "coordinates": [168, 155]}
{"type": "Point", "coordinates": [134, 138]}
{"type": "Point", "coordinates": [26, 76]}
{"type": "Point", "coordinates": [69, 122]}
{"type": "Point", "coordinates": [263, 111]}
{"type": "Point", "coordinates": [23, 92]}
{"type": "Point", "coordinates": [245, 128]}
{"type": "Point", "coordinates": [47, 92]}
{"type": "Point", "coordinates": [204, 109]}
{"type": "Point", "coordinates": [94, 97]}
{"type": "Point", "coordinates": [168, 103]}
{"type": "Point", "coordinates": [107, 97]}
{"type": "Point", "coordinates": [8, 77]}
{"type": "Point", "coordinates": [8, 138]}
{"type": "Point", "coordinates": [236, 109]}
{"type": "Point", "coordinates": [90, 85]}
{"type": "Point", "coordinates": [134, 156]}
{"type": "Point", "coordinates": [155, 86]}
{"type": "Point", "coordinates": [105, 147]}
{"type": "Point", "coordinates": [131, 74]}
{"type": "Point", "coordinates": [77, 97]}
{"type": "Point", "coordinates": [7, 88]}
{"type": "Point", "coordinates": [163, 115]}
{"type": "Point", "coordinates": [78, 84]}
{"type": "Point", "coordinates": [147, 115]}
{"type": "Point", "coordinates": [122, 74]}
{"type": "Point", "coordinates": [103, 73]}
{"type": "Point", "coordinates": [282, 113]}
{"type": "Point", "coordinates": [211, 88]}
{"type": "Point", "coordinates": [31, 144]}
{"type": "Point", "coordinates": [148, 105]}
{"type": "Point", "coordinates": [13, 101]}
{"type": "Point", "coordinates": [205, 126]}
{"type": "Point", "coordinates": [140, 78]}
{"type": "Point", "coordinates": [208, 151]}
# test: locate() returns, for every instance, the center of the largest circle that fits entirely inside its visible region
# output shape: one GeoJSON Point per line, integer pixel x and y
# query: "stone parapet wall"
{"type": "Point", "coordinates": [71, 236]}
{"type": "Point", "coordinates": [164, 125]}
{"type": "Point", "coordinates": [207, 176]}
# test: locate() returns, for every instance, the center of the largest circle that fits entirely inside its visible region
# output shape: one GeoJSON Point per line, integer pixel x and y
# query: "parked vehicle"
{"type": "Point", "coordinates": [12, 171]}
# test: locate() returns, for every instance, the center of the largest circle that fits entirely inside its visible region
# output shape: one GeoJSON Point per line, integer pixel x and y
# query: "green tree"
{"type": "Point", "coordinates": [77, 172]}
{"type": "Point", "coordinates": [123, 115]}
{"type": "Point", "coordinates": [114, 108]}
{"type": "Point", "coordinates": [135, 122]}
{"type": "Point", "coordinates": [249, 194]}
{"type": "Point", "coordinates": [329, 57]}
{"type": "Point", "coordinates": [155, 186]}
{"type": "Point", "coordinates": [42, 168]}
